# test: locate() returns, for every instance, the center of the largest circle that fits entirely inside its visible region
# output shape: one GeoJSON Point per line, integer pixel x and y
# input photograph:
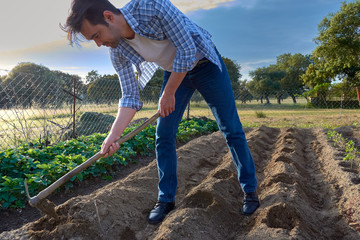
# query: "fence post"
{"type": "Point", "coordinates": [358, 94]}
{"type": "Point", "coordinates": [188, 111]}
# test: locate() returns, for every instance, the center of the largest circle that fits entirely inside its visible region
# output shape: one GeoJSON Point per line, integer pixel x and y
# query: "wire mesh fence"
{"type": "Point", "coordinates": [48, 108]}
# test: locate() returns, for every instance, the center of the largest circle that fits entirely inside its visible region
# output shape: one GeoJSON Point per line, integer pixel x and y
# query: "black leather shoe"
{"type": "Point", "coordinates": [158, 213]}
{"type": "Point", "coordinates": [251, 203]}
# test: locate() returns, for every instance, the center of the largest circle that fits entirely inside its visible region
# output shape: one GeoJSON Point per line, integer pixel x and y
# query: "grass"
{"type": "Point", "coordinates": [252, 114]}
{"type": "Point", "coordinates": [289, 115]}
{"type": "Point", "coordinates": [260, 114]}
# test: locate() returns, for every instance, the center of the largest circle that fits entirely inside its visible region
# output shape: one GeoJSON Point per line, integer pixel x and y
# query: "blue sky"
{"type": "Point", "coordinates": [251, 32]}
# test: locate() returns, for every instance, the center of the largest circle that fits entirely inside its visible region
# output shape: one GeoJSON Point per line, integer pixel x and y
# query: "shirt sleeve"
{"type": "Point", "coordinates": [128, 83]}
{"type": "Point", "coordinates": [176, 30]}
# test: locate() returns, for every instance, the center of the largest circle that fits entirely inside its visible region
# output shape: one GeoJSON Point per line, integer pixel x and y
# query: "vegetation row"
{"type": "Point", "coordinates": [352, 154]}
{"type": "Point", "coordinates": [41, 166]}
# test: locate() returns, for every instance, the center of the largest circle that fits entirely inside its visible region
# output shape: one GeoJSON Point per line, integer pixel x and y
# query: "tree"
{"type": "Point", "coordinates": [294, 66]}
{"type": "Point", "coordinates": [244, 94]}
{"type": "Point", "coordinates": [4, 100]}
{"type": "Point", "coordinates": [343, 90]}
{"type": "Point", "coordinates": [151, 92]}
{"type": "Point", "coordinates": [338, 52]}
{"type": "Point", "coordinates": [92, 76]}
{"type": "Point", "coordinates": [105, 89]}
{"type": "Point", "coordinates": [29, 83]}
{"type": "Point", "coordinates": [266, 82]}
{"type": "Point", "coordinates": [64, 87]}
{"type": "Point", "coordinates": [233, 69]}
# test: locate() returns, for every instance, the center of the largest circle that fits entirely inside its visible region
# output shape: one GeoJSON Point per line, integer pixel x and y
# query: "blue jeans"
{"type": "Point", "coordinates": [214, 85]}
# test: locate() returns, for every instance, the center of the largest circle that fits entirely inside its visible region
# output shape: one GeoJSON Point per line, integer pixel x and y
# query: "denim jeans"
{"type": "Point", "coordinates": [214, 85]}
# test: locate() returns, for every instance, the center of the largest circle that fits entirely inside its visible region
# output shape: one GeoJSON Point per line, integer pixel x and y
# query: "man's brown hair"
{"type": "Point", "coordinates": [91, 10]}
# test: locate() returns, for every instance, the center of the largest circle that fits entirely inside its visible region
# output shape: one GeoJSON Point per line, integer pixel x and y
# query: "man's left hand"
{"type": "Point", "coordinates": [167, 104]}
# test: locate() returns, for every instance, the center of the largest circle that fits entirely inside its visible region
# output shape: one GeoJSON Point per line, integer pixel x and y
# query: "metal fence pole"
{"type": "Point", "coordinates": [188, 111]}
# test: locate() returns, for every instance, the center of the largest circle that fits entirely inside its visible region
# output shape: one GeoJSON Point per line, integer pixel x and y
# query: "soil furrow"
{"type": "Point", "coordinates": [306, 192]}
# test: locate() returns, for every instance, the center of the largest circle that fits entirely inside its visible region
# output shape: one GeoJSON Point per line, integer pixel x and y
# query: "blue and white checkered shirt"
{"type": "Point", "coordinates": [157, 20]}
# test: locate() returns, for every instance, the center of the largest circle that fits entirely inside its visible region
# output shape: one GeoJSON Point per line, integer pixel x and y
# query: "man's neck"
{"type": "Point", "coordinates": [127, 31]}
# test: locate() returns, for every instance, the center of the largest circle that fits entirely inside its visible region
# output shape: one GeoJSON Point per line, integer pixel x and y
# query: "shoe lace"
{"type": "Point", "coordinates": [251, 197]}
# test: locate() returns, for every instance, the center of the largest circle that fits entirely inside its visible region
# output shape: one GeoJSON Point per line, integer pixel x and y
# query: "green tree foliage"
{"type": "Point", "coordinates": [315, 76]}
{"type": "Point", "coordinates": [343, 91]}
{"type": "Point", "coordinates": [105, 89]}
{"type": "Point", "coordinates": [282, 79]}
{"type": "Point", "coordinates": [151, 92]}
{"type": "Point", "coordinates": [293, 66]}
{"type": "Point", "coordinates": [29, 84]}
{"type": "Point", "coordinates": [244, 93]}
{"type": "Point", "coordinates": [265, 82]}
{"type": "Point", "coordinates": [92, 76]}
{"type": "Point", "coordinates": [65, 83]}
{"type": "Point", "coordinates": [233, 69]}
{"type": "Point", "coordinates": [338, 52]}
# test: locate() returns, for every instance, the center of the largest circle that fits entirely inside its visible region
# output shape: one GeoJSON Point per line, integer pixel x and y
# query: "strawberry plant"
{"type": "Point", "coordinates": [41, 166]}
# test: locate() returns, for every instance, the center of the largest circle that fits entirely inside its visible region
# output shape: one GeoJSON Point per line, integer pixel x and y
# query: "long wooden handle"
{"type": "Point", "coordinates": [47, 191]}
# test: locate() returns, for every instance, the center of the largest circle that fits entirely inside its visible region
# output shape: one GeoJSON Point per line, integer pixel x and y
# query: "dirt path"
{"type": "Point", "coordinates": [306, 191]}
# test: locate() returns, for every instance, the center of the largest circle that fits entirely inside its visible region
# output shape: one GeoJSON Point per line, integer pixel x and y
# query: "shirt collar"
{"type": "Point", "coordinates": [129, 18]}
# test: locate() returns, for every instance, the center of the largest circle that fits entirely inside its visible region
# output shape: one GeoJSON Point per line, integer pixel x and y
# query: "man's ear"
{"type": "Point", "coordinates": [108, 16]}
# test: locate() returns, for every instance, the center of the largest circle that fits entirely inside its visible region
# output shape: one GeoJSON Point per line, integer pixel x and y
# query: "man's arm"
{"type": "Point", "coordinates": [167, 100]}
{"type": "Point", "coordinates": [128, 105]}
{"type": "Point", "coordinates": [123, 118]}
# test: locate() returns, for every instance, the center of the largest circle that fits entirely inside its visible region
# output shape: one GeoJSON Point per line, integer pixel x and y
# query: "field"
{"type": "Point", "coordinates": [306, 189]}
{"type": "Point", "coordinates": [307, 192]}
{"type": "Point", "coordinates": [18, 125]}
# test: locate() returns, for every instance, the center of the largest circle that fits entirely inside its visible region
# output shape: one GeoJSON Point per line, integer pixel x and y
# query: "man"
{"type": "Point", "coordinates": [152, 33]}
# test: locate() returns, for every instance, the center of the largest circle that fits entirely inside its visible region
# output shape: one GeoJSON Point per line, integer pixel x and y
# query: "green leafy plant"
{"type": "Point", "coordinates": [260, 114]}
{"type": "Point", "coordinates": [41, 166]}
{"type": "Point", "coordinates": [352, 153]}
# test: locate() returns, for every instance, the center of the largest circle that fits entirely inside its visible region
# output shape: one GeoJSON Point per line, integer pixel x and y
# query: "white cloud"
{"type": "Point", "coordinates": [249, 66]}
{"type": "Point", "coordinates": [191, 5]}
{"type": "Point", "coordinates": [30, 29]}
{"type": "Point", "coordinates": [25, 23]}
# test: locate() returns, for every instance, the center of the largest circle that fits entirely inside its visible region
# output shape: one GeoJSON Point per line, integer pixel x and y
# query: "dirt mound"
{"type": "Point", "coordinates": [306, 192]}
{"type": "Point", "coordinates": [91, 122]}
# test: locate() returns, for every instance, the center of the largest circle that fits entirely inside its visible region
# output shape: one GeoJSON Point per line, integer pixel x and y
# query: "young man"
{"type": "Point", "coordinates": [152, 33]}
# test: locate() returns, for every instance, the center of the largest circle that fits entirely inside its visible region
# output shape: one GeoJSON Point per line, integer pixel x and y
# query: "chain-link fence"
{"type": "Point", "coordinates": [48, 108]}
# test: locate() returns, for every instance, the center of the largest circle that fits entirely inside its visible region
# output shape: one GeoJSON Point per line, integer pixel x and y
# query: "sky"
{"type": "Point", "coordinates": [250, 32]}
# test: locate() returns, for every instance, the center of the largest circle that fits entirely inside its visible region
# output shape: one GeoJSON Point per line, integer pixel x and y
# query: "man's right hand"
{"type": "Point", "coordinates": [109, 146]}
{"type": "Point", "coordinates": [124, 116]}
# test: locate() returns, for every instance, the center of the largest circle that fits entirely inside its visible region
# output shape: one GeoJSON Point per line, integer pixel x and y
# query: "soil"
{"type": "Point", "coordinates": [307, 192]}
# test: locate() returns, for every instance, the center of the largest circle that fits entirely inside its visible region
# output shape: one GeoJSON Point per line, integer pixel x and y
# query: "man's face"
{"type": "Point", "coordinates": [101, 34]}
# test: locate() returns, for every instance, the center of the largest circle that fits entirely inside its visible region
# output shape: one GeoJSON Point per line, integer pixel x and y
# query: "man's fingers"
{"type": "Point", "coordinates": [161, 111]}
{"type": "Point", "coordinates": [113, 148]}
{"type": "Point", "coordinates": [104, 149]}
{"type": "Point", "coordinates": [165, 112]}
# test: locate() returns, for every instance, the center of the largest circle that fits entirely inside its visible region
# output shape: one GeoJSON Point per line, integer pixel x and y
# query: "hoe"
{"type": "Point", "coordinates": [48, 207]}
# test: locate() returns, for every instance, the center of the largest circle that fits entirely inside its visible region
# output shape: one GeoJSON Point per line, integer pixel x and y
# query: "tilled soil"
{"type": "Point", "coordinates": [306, 192]}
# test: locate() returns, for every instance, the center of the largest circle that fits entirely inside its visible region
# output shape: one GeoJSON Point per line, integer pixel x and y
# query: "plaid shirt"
{"type": "Point", "coordinates": [157, 20]}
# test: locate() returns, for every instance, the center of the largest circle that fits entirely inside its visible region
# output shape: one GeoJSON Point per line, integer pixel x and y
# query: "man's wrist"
{"type": "Point", "coordinates": [168, 92]}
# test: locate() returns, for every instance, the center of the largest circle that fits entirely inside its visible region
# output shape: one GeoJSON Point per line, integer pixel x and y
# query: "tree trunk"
{"type": "Point", "coordinates": [358, 94]}
{"type": "Point", "coordinates": [267, 99]}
